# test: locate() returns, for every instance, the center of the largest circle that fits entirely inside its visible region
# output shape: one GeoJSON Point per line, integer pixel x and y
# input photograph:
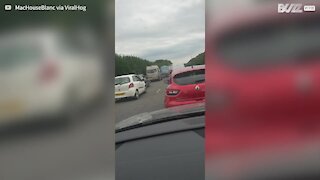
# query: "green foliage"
{"type": "Point", "coordinates": [134, 65]}
{"type": "Point", "coordinates": [198, 60]}
{"type": "Point", "coordinates": [130, 64]}
{"type": "Point", "coordinates": [162, 62]}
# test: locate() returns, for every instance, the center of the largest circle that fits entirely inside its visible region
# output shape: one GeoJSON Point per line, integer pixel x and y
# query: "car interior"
{"type": "Point", "coordinates": [169, 150]}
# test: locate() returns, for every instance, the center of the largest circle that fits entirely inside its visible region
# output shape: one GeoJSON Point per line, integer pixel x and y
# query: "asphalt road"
{"type": "Point", "coordinates": [150, 101]}
{"type": "Point", "coordinates": [81, 150]}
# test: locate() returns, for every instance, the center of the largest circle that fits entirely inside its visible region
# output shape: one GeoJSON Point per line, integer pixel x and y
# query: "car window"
{"type": "Point", "coordinates": [165, 69]}
{"type": "Point", "coordinates": [15, 54]}
{"type": "Point", "coordinates": [136, 78]}
{"type": "Point", "coordinates": [190, 77]}
{"type": "Point", "coordinates": [122, 80]}
{"type": "Point", "coordinates": [74, 44]}
{"type": "Point", "coordinates": [271, 44]}
{"type": "Point", "coordinates": [151, 71]}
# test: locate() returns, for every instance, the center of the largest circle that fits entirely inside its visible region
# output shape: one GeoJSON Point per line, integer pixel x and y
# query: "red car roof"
{"type": "Point", "coordinates": [188, 68]}
{"type": "Point", "coordinates": [256, 16]}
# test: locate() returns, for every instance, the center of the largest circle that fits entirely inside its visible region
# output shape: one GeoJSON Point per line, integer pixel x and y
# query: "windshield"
{"type": "Point", "coordinates": [151, 71]}
{"type": "Point", "coordinates": [190, 77]}
{"type": "Point", "coordinates": [122, 80]}
{"type": "Point", "coordinates": [163, 115]}
{"type": "Point", "coordinates": [271, 44]}
{"type": "Point", "coordinates": [165, 69]}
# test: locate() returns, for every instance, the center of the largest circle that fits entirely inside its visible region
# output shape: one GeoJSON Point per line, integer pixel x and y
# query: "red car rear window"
{"type": "Point", "coordinates": [190, 77]}
{"type": "Point", "coordinates": [271, 43]}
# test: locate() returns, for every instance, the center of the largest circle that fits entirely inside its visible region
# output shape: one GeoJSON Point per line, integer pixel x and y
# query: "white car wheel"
{"type": "Point", "coordinates": [136, 95]}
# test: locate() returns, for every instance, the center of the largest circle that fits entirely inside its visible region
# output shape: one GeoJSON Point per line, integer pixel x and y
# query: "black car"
{"type": "Point", "coordinates": [165, 144]}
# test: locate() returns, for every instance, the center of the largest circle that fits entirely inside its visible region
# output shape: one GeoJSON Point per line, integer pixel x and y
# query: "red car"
{"type": "Point", "coordinates": [186, 86]}
{"type": "Point", "coordinates": [263, 89]}
{"type": "Point", "coordinates": [264, 80]}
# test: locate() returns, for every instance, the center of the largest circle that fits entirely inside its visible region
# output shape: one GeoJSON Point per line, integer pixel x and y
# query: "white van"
{"type": "Point", "coordinates": [153, 72]}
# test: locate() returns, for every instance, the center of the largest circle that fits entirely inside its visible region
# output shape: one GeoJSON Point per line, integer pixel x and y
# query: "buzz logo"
{"type": "Point", "coordinates": [290, 8]}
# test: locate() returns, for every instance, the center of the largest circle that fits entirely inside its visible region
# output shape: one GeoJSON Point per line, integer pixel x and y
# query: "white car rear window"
{"type": "Point", "coordinates": [122, 80]}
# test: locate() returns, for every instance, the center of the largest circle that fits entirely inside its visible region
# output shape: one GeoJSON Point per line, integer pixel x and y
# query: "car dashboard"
{"type": "Point", "coordinates": [169, 150]}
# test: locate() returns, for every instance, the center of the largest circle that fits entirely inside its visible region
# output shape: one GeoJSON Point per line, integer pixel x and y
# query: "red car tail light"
{"type": "Point", "coordinates": [131, 85]}
{"type": "Point", "coordinates": [172, 92]}
{"type": "Point", "coordinates": [49, 71]}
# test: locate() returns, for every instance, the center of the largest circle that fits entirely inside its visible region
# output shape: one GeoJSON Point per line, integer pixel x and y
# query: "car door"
{"type": "Point", "coordinates": [138, 83]}
{"type": "Point", "coordinates": [143, 82]}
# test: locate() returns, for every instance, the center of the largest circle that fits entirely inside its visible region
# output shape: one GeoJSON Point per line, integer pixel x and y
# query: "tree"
{"type": "Point", "coordinates": [125, 64]}
{"type": "Point", "coordinates": [198, 60]}
{"type": "Point", "coordinates": [130, 65]}
{"type": "Point", "coordinates": [162, 62]}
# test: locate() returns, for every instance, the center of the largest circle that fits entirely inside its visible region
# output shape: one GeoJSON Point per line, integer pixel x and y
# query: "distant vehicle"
{"type": "Point", "coordinates": [165, 71]}
{"type": "Point", "coordinates": [145, 79]}
{"type": "Point", "coordinates": [186, 86]}
{"type": "Point", "coordinates": [129, 86]}
{"type": "Point", "coordinates": [42, 75]}
{"type": "Point", "coordinates": [153, 73]}
{"type": "Point", "coordinates": [148, 143]}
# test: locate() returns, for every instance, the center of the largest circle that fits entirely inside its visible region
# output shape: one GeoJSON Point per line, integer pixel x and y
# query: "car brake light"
{"type": "Point", "coordinates": [131, 85]}
{"type": "Point", "coordinates": [49, 71]}
{"type": "Point", "coordinates": [172, 92]}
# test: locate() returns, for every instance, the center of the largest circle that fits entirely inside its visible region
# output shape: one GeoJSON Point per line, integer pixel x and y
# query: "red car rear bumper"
{"type": "Point", "coordinates": [168, 102]}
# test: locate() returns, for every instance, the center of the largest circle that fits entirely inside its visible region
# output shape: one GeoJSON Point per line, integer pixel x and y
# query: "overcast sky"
{"type": "Point", "coordinates": [160, 29]}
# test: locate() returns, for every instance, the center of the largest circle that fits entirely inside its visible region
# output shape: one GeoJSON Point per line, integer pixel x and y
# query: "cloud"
{"type": "Point", "coordinates": [160, 29]}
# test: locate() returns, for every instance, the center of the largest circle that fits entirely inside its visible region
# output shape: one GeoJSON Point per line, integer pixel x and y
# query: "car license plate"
{"type": "Point", "coordinates": [119, 94]}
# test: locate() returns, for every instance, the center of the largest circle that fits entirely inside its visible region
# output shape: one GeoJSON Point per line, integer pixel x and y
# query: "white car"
{"type": "Point", "coordinates": [129, 86]}
{"type": "Point", "coordinates": [44, 73]}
